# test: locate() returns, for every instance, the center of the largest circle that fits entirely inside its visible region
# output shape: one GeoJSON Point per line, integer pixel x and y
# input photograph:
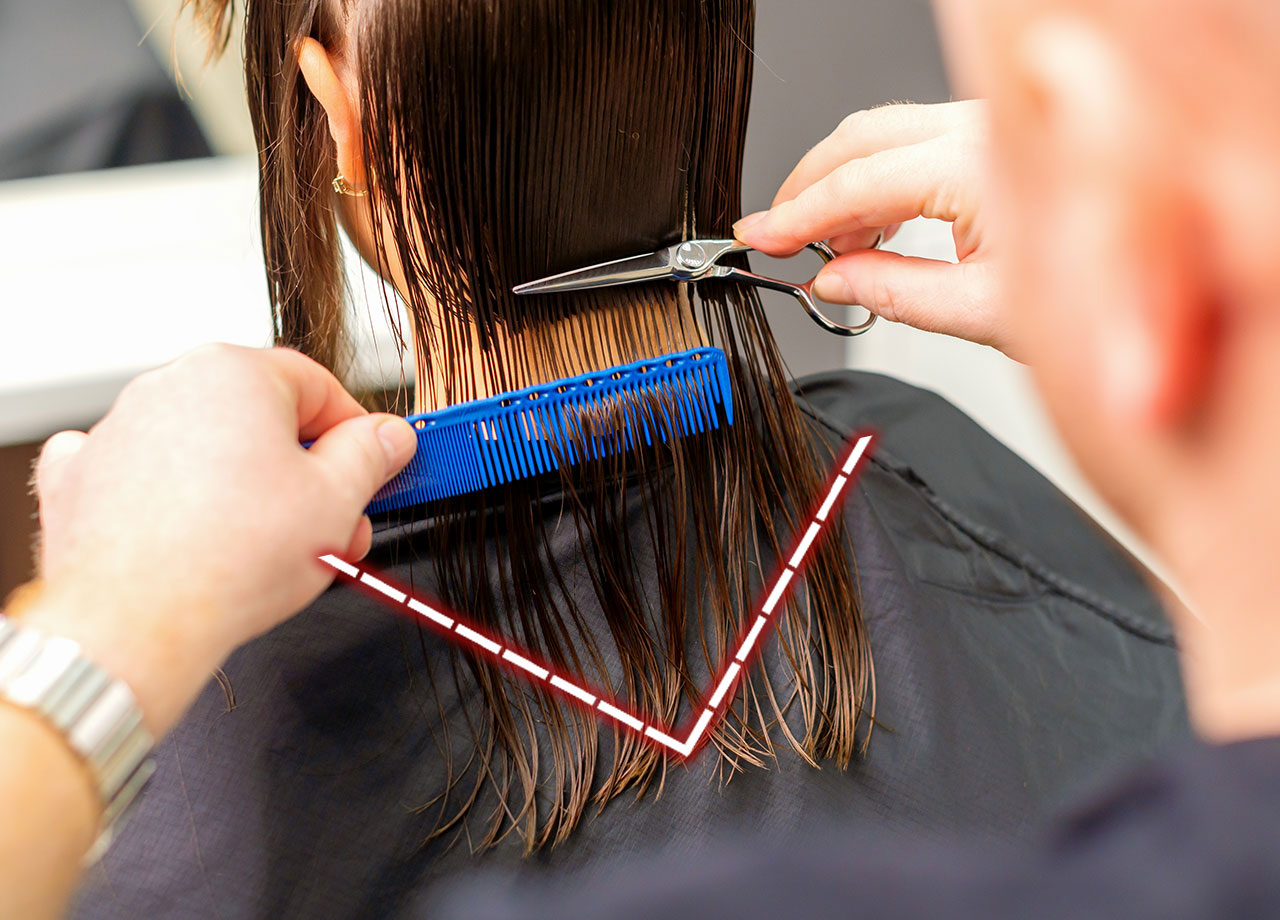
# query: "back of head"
{"type": "Point", "coordinates": [504, 142]}
{"type": "Point", "coordinates": [513, 141]}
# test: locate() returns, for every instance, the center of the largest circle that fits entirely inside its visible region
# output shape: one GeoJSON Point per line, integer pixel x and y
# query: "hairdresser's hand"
{"type": "Point", "coordinates": [189, 519]}
{"type": "Point", "coordinates": [880, 168]}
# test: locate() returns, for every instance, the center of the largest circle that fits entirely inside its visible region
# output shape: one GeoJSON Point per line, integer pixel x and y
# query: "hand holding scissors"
{"type": "Point", "coordinates": [693, 260]}
{"type": "Point", "coordinates": [882, 167]}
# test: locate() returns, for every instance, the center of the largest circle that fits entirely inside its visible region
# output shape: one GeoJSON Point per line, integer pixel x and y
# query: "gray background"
{"type": "Point", "coordinates": [817, 61]}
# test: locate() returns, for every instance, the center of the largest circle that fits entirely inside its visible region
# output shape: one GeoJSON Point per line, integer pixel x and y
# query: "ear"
{"type": "Point", "coordinates": [344, 124]}
{"type": "Point", "coordinates": [1124, 178]}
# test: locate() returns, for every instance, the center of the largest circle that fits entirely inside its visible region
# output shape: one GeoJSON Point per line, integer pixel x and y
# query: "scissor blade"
{"type": "Point", "coordinates": [651, 266]}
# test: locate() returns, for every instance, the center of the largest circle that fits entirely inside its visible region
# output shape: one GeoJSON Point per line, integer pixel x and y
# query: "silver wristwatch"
{"type": "Point", "coordinates": [96, 713]}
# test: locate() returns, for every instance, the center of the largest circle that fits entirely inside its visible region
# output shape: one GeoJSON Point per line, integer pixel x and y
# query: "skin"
{"type": "Point", "coordinates": [1129, 195]}
{"type": "Point", "coordinates": [878, 169]}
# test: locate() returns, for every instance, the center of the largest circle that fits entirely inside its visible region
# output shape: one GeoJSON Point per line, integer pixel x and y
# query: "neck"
{"type": "Point", "coordinates": [1219, 528]}
{"type": "Point", "coordinates": [1231, 644]}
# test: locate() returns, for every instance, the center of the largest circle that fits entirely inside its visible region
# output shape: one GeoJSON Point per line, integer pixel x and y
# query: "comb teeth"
{"type": "Point", "coordinates": [532, 431]}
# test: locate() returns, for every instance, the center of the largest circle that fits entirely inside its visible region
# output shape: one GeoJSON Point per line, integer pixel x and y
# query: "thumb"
{"type": "Point", "coordinates": [53, 460]}
{"type": "Point", "coordinates": [936, 296]}
{"type": "Point", "coordinates": [362, 453]}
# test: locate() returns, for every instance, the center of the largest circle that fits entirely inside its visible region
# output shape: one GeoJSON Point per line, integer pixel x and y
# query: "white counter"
{"type": "Point", "coordinates": [107, 274]}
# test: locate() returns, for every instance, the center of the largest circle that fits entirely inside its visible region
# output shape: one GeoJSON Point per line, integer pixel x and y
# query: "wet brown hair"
{"type": "Point", "coordinates": [509, 140]}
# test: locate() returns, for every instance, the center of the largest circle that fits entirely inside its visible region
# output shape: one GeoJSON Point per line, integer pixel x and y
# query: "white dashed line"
{"type": "Point", "coordinates": [855, 455]}
{"type": "Point", "coordinates": [573, 690]}
{"type": "Point", "coordinates": [431, 613]}
{"type": "Point", "coordinates": [346, 568]}
{"type": "Point", "coordinates": [776, 594]}
{"type": "Point", "coordinates": [541, 672]}
{"type": "Point", "coordinates": [382, 587]}
{"type": "Point", "coordinates": [836, 488]}
{"type": "Point", "coordinates": [749, 642]}
{"type": "Point", "coordinates": [703, 721]}
{"type": "Point", "coordinates": [525, 664]}
{"type": "Point", "coordinates": [805, 543]}
{"type": "Point", "coordinates": [663, 738]}
{"type": "Point", "coordinates": [625, 718]}
{"type": "Point", "coordinates": [484, 642]}
{"type": "Point", "coordinates": [725, 683]}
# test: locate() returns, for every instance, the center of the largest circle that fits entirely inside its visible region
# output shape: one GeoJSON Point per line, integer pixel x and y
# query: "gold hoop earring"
{"type": "Point", "coordinates": [342, 187]}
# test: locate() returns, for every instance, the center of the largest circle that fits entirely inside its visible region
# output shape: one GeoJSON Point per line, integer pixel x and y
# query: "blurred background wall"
{"type": "Point", "coordinates": [109, 270]}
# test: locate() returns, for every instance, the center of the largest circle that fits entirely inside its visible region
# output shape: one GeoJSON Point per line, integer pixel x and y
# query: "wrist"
{"type": "Point", "coordinates": [159, 653]}
{"type": "Point", "coordinates": [34, 736]}
{"type": "Point", "coordinates": [52, 811]}
{"type": "Point", "coordinates": [95, 712]}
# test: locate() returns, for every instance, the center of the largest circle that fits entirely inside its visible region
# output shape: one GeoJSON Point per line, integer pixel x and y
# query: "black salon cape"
{"type": "Point", "coordinates": [1018, 654]}
{"type": "Point", "coordinates": [1196, 837]}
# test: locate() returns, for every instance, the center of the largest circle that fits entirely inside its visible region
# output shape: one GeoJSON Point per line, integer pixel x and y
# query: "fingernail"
{"type": "Point", "coordinates": [398, 442]}
{"type": "Point", "coordinates": [748, 222]}
{"type": "Point", "coordinates": [831, 287]}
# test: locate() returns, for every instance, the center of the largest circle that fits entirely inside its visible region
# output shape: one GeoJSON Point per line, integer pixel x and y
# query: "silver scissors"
{"type": "Point", "coordinates": [692, 260]}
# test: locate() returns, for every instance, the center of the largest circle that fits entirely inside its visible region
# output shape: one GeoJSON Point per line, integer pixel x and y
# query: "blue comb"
{"type": "Point", "coordinates": [515, 435]}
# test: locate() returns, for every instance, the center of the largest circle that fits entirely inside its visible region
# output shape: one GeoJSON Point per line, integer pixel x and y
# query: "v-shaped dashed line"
{"type": "Point", "coordinates": [454, 628]}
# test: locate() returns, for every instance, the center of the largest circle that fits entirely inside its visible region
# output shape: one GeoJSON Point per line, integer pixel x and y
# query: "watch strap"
{"type": "Point", "coordinates": [96, 713]}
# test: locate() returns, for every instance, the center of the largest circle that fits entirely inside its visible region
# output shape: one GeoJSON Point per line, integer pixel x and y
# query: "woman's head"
{"type": "Point", "coordinates": [500, 142]}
